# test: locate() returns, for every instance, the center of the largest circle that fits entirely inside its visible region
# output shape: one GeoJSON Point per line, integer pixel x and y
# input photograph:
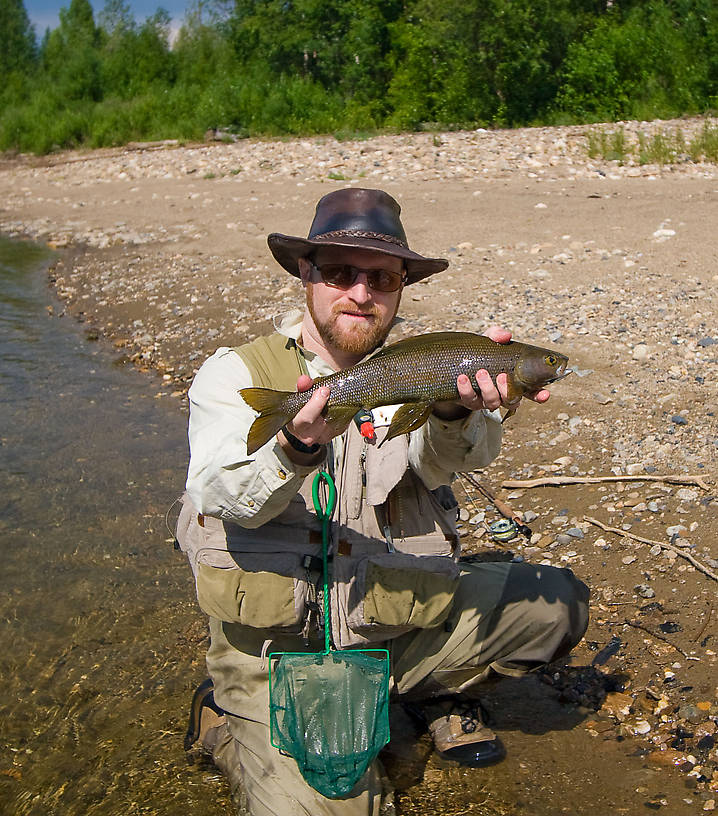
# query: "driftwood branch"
{"type": "Point", "coordinates": [666, 546]}
{"type": "Point", "coordinates": [705, 625]}
{"type": "Point", "coordinates": [569, 480]}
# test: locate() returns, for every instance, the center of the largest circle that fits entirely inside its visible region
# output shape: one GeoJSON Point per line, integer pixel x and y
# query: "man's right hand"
{"type": "Point", "coordinates": [309, 425]}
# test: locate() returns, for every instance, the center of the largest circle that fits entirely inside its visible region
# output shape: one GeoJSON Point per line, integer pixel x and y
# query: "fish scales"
{"type": "Point", "coordinates": [415, 374]}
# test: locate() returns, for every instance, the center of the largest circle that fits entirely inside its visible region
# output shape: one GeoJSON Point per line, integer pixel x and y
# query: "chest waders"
{"type": "Point", "coordinates": [329, 710]}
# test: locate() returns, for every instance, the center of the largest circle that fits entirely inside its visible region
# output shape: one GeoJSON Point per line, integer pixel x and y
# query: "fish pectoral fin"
{"type": "Point", "coordinates": [409, 417]}
{"type": "Point", "coordinates": [514, 392]}
{"type": "Point", "coordinates": [509, 413]}
{"type": "Point", "coordinates": [340, 415]}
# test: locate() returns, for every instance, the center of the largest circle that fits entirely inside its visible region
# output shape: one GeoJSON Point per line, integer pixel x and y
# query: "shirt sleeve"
{"type": "Point", "coordinates": [223, 480]}
{"type": "Point", "coordinates": [441, 448]}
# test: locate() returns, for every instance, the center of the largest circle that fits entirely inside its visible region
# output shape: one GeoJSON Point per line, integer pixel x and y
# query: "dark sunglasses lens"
{"type": "Point", "coordinates": [383, 280]}
{"type": "Point", "coordinates": [339, 275]}
{"type": "Point", "coordinates": [344, 276]}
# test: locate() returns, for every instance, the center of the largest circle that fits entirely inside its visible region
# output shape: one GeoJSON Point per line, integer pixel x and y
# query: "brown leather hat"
{"type": "Point", "coordinates": [354, 217]}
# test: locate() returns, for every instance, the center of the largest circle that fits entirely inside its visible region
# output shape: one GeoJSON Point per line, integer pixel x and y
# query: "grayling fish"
{"type": "Point", "coordinates": [416, 373]}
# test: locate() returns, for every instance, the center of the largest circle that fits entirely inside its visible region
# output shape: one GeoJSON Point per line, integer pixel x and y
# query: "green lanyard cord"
{"type": "Point", "coordinates": [325, 516]}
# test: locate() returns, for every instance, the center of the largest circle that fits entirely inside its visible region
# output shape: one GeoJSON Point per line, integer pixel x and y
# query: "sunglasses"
{"type": "Point", "coordinates": [344, 276]}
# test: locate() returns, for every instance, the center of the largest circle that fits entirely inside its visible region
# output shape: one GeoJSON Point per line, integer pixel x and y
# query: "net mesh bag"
{"type": "Point", "coordinates": [331, 713]}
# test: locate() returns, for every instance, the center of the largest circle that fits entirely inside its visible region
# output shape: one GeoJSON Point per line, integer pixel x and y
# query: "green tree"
{"type": "Point", "coordinates": [18, 48]}
{"type": "Point", "coordinates": [70, 54]}
{"type": "Point", "coordinates": [341, 44]}
{"type": "Point", "coordinates": [654, 60]}
{"type": "Point", "coordinates": [202, 51]}
{"type": "Point", "coordinates": [489, 61]}
{"type": "Point", "coordinates": [116, 18]}
{"type": "Point", "coordinates": [134, 57]}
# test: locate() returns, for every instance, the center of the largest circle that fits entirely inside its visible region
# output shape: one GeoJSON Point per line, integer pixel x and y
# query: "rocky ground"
{"type": "Point", "coordinates": [615, 265]}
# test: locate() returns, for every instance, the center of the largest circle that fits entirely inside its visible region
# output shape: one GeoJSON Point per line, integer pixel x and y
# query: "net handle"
{"type": "Point", "coordinates": [324, 514]}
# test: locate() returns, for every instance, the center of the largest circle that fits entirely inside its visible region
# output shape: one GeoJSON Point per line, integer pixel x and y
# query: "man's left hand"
{"type": "Point", "coordinates": [489, 396]}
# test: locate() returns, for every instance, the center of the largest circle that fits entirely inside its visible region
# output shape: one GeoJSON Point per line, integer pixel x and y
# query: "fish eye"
{"type": "Point", "coordinates": [551, 359]}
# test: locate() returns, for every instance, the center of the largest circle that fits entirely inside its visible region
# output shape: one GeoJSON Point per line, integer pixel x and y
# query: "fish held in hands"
{"type": "Point", "coordinates": [415, 372]}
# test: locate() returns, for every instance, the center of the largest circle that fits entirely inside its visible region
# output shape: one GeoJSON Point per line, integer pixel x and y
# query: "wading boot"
{"type": "Point", "coordinates": [204, 716]}
{"type": "Point", "coordinates": [458, 727]}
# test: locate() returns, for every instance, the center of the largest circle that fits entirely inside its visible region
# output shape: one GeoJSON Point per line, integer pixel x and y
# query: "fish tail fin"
{"type": "Point", "coordinates": [273, 416]}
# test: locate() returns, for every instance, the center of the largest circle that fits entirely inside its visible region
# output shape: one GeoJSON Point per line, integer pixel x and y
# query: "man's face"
{"type": "Point", "coordinates": [355, 320]}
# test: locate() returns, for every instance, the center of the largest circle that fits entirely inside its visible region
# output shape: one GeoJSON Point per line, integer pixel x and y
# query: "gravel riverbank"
{"type": "Point", "coordinates": [614, 265]}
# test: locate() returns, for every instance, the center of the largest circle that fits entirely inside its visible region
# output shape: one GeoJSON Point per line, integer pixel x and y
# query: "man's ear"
{"type": "Point", "coordinates": [305, 270]}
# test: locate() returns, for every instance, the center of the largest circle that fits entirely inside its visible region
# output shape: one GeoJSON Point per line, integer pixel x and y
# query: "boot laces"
{"type": "Point", "coordinates": [469, 714]}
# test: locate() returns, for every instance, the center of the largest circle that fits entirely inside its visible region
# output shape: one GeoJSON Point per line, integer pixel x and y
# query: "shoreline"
{"type": "Point", "coordinates": [164, 256]}
{"type": "Point", "coordinates": [166, 265]}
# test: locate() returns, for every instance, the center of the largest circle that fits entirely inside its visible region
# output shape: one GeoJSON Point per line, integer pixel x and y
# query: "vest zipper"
{"type": "Point", "coordinates": [362, 462]}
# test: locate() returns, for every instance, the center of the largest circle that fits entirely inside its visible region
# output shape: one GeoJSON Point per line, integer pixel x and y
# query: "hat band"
{"type": "Point", "coordinates": [376, 236]}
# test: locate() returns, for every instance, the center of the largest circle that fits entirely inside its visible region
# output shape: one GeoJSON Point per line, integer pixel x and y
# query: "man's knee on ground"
{"type": "Point", "coordinates": [544, 613]}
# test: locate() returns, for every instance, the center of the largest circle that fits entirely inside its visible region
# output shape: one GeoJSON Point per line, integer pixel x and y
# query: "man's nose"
{"type": "Point", "coordinates": [360, 291]}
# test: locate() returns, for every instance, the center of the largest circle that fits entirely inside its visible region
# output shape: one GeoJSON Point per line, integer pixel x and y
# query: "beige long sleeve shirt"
{"type": "Point", "coordinates": [225, 482]}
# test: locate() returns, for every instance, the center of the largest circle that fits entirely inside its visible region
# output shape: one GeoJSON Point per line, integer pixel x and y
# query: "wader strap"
{"type": "Point", "coordinates": [274, 361]}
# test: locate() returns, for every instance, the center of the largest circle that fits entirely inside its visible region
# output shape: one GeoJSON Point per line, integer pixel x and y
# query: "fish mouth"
{"type": "Point", "coordinates": [561, 372]}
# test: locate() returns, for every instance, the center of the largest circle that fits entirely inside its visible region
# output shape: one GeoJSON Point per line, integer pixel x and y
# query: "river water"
{"type": "Point", "coordinates": [100, 640]}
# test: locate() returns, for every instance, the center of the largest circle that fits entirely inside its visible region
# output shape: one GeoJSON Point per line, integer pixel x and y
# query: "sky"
{"type": "Point", "coordinates": [45, 13]}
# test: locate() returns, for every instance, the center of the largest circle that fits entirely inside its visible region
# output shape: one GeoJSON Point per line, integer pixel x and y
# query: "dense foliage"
{"type": "Point", "coordinates": [252, 67]}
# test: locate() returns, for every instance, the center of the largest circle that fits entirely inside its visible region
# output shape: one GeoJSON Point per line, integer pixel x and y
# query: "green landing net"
{"type": "Point", "coordinates": [329, 710]}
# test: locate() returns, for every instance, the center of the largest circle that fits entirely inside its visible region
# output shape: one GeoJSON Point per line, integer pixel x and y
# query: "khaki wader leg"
{"type": "Point", "coordinates": [266, 782]}
{"type": "Point", "coordinates": [509, 618]}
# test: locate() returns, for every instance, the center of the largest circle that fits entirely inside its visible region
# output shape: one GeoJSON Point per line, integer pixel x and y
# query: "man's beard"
{"type": "Point", "coordinates": [360, 338]}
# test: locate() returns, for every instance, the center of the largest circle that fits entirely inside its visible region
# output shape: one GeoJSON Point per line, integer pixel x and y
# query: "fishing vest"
{"type": "Point", "coordinates": [393, 550]}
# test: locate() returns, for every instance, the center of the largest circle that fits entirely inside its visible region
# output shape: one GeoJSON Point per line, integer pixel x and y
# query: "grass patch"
{"type": "Point", "coordinates": [705, 146]}
{"type": "Point", "coordinates": [612, 146]}
{"type": "Point", "coordinates": [661, 148]}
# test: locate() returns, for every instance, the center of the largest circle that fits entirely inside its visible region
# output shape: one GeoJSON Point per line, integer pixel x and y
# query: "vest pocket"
{"type": "Point", "coordinates": [393, 593]}
{"type": "Point", "coordinates": [250, 596]}
{"type": "Point", "coordinates": [406, 597]}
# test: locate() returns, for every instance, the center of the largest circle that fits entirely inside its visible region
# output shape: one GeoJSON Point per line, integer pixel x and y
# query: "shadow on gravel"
{"type": "Point", "coordinates": [554, 765]}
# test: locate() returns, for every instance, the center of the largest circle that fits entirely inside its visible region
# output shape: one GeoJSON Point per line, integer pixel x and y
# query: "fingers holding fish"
{"type": "Point", "coordinates": [539, 396]}
{"type": "Point", "coordinates": [304, 383]}
{"type": "Point", "coordinates": [493, 395]}
{"type": "Point", "coordinates": [498, 334]}
{"type": "Point", "coordinates": [489, 395]}
{"type": "Point", "coordinates": [309, 425]}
